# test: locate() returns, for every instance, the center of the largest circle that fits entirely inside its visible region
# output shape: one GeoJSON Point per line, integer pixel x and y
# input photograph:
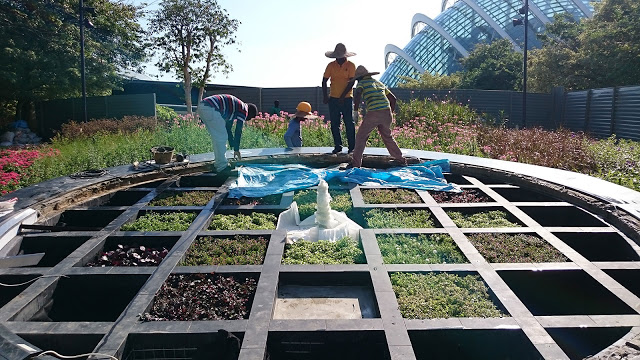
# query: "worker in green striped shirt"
{"type": "Point", "coordinates": [379, 102]}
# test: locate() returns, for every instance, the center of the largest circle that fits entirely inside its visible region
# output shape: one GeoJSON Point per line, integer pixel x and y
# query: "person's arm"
{"type": "Point", "coordinates": [357, 97]}
{"type": "Point", "coordinates": [392, 100]}
{"type": "Point", "coordinates": [325, 96]}
{"type": "Point", "coordinates": [236, 147]}
{"type": "Point", "coordinates": [347, 88]}
{"type": "Point", "coordinates": [229, 125]}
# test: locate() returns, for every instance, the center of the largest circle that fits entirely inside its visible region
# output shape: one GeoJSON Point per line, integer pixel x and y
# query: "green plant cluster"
{"type": "Point", "coordinates": [391, 218]}
{"type": "Point", "coordinates": [443, 295]}
{"type": "Point", "coordinates": [515, 248]}
{"type": "Point", "coordinates": [390, 196]}
{"type": "Point", "coordinates": [152, 221]}
{"type": "Point", "coordinates": [306, 200]}
{"type": "Point", "coordinates": [483, 219]}
{"type": "Point", "coordinates": [183, 198]}
{"type": "Point", "coordinates": [239, 250]}
{"type": "Point", "coordinates": [343, 251]}
{"type": "Point", "coordinates": [265, 200]}
{"type": "Point", "coordinates": [254, 221]}
{"type": "Point", "coordinates": [419, 249]}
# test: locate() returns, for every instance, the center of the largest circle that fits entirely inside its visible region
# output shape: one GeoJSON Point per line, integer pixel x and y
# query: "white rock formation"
{"type": "Point", "coordinates": [325, 224]}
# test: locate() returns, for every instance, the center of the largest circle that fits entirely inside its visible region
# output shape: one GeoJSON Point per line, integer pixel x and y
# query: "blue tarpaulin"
{"type": "Point", "coordinates": [263, 180]}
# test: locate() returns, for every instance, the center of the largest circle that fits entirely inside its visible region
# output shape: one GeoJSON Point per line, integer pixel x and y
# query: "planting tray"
{"type": "Point", "coordinates": [586, 305]}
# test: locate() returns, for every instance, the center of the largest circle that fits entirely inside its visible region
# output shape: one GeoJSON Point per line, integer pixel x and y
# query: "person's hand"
{"type": "Point", "coordinates": [237, 156]}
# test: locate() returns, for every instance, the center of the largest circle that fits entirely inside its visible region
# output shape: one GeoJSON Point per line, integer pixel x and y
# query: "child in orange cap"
{"type": "Point", "coordinates": [292, 137]}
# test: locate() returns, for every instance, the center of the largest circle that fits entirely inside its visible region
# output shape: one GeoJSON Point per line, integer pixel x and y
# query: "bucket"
{"type": "Point", "coordinates": [162, 154]}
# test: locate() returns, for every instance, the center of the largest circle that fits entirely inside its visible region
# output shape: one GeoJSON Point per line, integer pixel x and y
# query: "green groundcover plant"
{"type": "Point", "coordinates": [306, 200]}
{"type": "Point", "coordinates": [390, 196]}
{"type": "Point", "coordinates": [466, 196]}
{"type": "Point", "coordinates": [419, 249]}
{"type": "Point", "coordinates": [253, 221]}
{"type": "Point", "coordinates": [392, 218]}
{"type": "Point", "coordinates": [483, 219]}
{"type": "Point", "coordinates": [265, 200]}
{"type": "Point", "coordinates": [343, 251]}
{"type": "Point", "coordinates": [183, 198]}
{"type": "Point", "coordinates": [153, 221]}
{"type": "Point", "coordinates": [239, 250]}
{"type": "Point", "coordinates": [443, 295]}
{"type": "Point", "coordinates": [515, 248]}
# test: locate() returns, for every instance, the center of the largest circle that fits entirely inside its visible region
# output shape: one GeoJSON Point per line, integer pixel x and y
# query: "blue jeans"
{"type": "Point", "coordinates": [346, 110]}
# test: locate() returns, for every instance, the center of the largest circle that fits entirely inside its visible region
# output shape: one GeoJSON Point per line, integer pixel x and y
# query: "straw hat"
{"type": "Point", "coordinates": [362, 71]}
{"type": "Point", "coordinates": [339, 52]}
{"type": "Point", "coordinates": [303, 110]}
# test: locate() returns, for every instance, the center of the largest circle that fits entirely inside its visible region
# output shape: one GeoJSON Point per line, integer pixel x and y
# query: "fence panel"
{"type": "Point", "coordinates": [290, 97]}
{"type": "Point", "coordinates": [575, 110]}
{"type": "Point", "coordinates": [627, 113]}
{"type": "Point", "coordinates": [600, 108]}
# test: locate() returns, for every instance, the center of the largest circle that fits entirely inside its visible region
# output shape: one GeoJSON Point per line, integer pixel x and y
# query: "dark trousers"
{"type": "Point", "coordinates": [336, 109]}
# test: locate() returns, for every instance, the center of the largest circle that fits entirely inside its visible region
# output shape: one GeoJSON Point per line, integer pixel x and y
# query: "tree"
{"type": "Point", "coordinates": [190, 35]}
{"type": "Point", "coordinates": [493, 67]}
{"type": "Point", "coordinates": [429, 81]}
{"type": "Point", "coordinates": [40, 49]}
{"type": "Point", "coordinates": [603, 51]}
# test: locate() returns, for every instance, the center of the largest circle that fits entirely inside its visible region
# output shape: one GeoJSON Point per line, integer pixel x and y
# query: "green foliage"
{"type": "Point", "coordinates": [127, 125]}
{"type": "Point", "coordinates": [151, 221]}
{"type": "Point", "coordinates": [391, 218]}
{"type": "Point", "coordinates": [617, 161]}
{"type": "Point", "coordinates": [165, 114]}
{"type": "Point", "coordinates": [419, 249]}
{"type": "Point", "coordinates": [239, 250]}
{"type": "Point", "coordinates": [254, 221]}
{"type": "Point", "coordinates": [496, 66]}
{"type": "Point", "coordinates": [443, 295]}
{"type": "Point", "coordinates": [429, 81]}
{"type": "Point", "coordinates": [343, 251]}
{"type": "Point", "coordinates": [602, 51]}
{"type": "Point", "coordinates": [515, 248]}
{"type": "Point", "coordinates": [390, 196]}
{"type": "Point", "coordinates": [183, 198]}
{"type": "Point", "coordinates": [306, 200]}
{"type": "Point", "coordinates": [484, 219]}
{"type": "Point", "coordinates": [39, 49]}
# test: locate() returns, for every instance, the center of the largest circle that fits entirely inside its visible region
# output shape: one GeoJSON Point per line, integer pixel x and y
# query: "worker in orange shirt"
{"type": "Point", "coordinates": [340, 71]}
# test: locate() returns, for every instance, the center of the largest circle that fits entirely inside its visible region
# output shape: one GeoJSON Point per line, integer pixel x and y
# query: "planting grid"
{"type": "Point", "coordinates": [557, 310]}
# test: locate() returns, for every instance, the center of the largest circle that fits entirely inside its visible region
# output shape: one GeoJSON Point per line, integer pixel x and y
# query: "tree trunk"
{"type": "Point", "coordinates": [187, 89]}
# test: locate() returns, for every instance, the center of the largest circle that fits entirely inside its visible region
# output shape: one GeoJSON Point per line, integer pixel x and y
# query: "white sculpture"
{"type": "Point", "coordinates": [325, 224]}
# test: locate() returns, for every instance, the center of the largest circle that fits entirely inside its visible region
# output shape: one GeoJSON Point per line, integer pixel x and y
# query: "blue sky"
{"type": "Point", "coordinates": [282, 42]}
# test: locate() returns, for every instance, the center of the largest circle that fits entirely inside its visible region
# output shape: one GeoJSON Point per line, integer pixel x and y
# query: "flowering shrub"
{"type": "Point", "coordinates": [126, 125]}
{"type": "Point", "coordinates": [16, 166]}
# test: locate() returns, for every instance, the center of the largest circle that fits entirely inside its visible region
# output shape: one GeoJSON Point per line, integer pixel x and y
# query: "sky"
{"type": "Point", "coordinates": [282, 42]}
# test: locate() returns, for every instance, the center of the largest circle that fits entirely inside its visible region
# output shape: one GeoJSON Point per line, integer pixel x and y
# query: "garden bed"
{"type": "Point", "coordinates": [239, 250]}
{"type": "Point", "coordinates": [193, 297]}
{"type": "Point", "coordinates": [443, 295]}
{"type": "Point", "coordinates": [419, 249]}
{"type": "Point", "coordinates": [392, 218]}
{"type": "Point", "coordinates": [306, 200]}
{"type": "Point", "coordinates": [161, 221]}
{"type": "Point", "coordinates": [253, 221]}
{"type": "Point", "coordinates": [183, 198]}
{"type": "Point", "coordinates": [466, 196]}
{"type": "Point", "coordinates": [390, 196]}
{"type": "Point", "coordinates": [483, 219]}
{"type": "Point", "coordinates": [130, 255]}
{"type": "Point", "coordinates": [515, 248]}
{"type": "Point", "coordinates": [343, 251]}
{"type": "Point", "coordinates": [265, 200]}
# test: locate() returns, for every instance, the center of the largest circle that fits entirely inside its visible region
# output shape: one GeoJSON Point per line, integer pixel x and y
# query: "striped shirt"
{"type": "Point", "coordinates": [229, 106]}
{"type": "Point", "coordinates": [374, 94]}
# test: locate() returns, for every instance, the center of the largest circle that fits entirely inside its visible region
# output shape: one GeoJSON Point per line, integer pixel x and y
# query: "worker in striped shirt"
{"type": "Point", "coordinates": [379, 102]}
{"type": "Point", "coordinates": [218, 113]}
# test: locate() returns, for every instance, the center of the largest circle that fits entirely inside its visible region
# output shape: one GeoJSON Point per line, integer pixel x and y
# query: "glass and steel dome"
{"type": "Point", "coordinates": [438, 44]}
